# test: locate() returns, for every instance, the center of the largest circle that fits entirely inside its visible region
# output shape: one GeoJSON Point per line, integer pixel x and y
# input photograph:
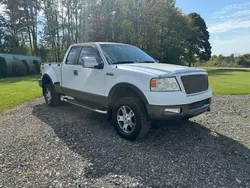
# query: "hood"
{"type": "Point", "coordinates": [160, 68]}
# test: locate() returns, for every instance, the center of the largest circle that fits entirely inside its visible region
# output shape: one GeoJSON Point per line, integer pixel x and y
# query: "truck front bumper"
{"type": "Point", "coordinates": [40, 82]}
{"type": "Point", "coordinates": [178, 112]}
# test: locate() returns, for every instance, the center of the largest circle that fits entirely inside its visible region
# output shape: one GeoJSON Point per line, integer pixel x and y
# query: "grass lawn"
{"type": "Point", "coordinates": [230, 82]}
{"type": "Point", "coordinates": [14, 91]}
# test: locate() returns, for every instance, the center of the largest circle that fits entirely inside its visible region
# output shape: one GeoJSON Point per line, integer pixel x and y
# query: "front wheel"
{"type": "Point", "coordinates": [130, 118]}
{"type": "Point", "coordinates": [51, 97]}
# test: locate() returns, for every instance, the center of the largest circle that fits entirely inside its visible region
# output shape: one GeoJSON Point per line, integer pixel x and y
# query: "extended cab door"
{"type": "Point", "coordinates": [69, 68]}
{"type": "Point", "coordinates": [82, 82]}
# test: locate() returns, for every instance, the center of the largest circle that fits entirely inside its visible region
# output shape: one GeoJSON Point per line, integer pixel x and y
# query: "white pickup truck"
{"type": "Point", "coordinates": [128, 85]}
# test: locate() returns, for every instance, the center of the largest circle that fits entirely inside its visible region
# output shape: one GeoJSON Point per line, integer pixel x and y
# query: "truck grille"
{"type": "Point", "coordinates": [195, 83]}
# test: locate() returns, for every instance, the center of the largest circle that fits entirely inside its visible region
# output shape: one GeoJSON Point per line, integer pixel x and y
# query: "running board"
{"type": "Point", "coordinates": [72, 101]}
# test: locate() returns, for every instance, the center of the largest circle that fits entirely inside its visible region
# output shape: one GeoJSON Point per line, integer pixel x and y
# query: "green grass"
{"type": "Point", "coordinates": [14, 91]}
{"type": "Point", "coordinates": [229, 82]}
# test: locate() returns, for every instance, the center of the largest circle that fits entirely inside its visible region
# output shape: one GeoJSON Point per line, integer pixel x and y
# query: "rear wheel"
{"type": "Point", "coordinates": [51, 97]}
{"type": "Point", "coordinates": [130, 118]}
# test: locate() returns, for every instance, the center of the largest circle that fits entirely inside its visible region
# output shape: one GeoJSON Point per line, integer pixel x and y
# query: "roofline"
{"type": "Point", "coordinates": [97, 43]}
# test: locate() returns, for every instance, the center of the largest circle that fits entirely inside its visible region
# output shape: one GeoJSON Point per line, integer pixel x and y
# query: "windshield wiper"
{"type": "Point", "coordinates": [123, 62]}
{"type": "Point", "coordinates": [129, 62]}
{"type": "Point", "coordinates": [147, 62]}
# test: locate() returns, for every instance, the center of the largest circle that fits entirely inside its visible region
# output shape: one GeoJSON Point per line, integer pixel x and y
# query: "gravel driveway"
{"type": "Point", "coordinates": [70, 147]}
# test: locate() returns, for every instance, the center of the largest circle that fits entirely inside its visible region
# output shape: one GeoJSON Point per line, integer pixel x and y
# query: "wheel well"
{"type": "Point", "coordinates": [46, 80]}
{"type": "Point", "coordinates": [124, 91]}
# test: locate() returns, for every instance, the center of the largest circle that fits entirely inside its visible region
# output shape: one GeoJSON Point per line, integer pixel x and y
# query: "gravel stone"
{"type": "Point", "coordinates": [68, 146]}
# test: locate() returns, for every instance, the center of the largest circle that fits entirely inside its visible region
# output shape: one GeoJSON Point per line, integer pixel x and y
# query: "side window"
{"type": "Point", "coordinates": [72, 55]}
{"type": "Point", "coordinates": [89, 52]}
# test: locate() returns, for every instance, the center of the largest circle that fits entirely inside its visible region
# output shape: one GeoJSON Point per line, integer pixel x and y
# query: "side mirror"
{"type": "Point", "coordinates": [90, 62]}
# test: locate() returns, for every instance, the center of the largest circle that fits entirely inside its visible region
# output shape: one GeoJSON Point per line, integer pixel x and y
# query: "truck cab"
{"type": "Point", "coordinates": [127, 84]}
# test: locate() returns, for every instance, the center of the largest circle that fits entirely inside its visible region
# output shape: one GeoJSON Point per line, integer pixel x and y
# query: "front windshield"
{"type": "Point", "coordinates": [121, 53]}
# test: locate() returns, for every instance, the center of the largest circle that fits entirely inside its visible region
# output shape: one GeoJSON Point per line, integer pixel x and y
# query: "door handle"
{"type": "Point", "coordinates": [75, 72]}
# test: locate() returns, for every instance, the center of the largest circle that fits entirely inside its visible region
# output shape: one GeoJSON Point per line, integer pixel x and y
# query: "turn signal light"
{"type": "Point", "coordinates": [153, 83]}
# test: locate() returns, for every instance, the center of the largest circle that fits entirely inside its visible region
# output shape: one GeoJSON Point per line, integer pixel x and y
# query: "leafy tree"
{"type": "Point", "coordinates": [158, 27]}
{"type": "Point", "coordinates": [8, 43]}
{"type": "Point", "coordinates": [22, 23]}
{"type": "Point", "coordinates": [199, 45]}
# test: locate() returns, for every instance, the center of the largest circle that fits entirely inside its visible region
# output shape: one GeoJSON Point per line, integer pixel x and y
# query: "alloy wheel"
{"type": "Point", "coordinates": [126, 119]}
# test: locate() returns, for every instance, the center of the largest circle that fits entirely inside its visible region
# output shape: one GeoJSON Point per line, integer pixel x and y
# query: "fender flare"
{"type": "Point", "coordinates": [128, 85]}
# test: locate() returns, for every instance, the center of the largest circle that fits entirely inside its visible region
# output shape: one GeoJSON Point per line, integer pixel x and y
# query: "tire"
{"type": "Point", "coordinates": [140, 124]}
{"type": "Point", "coordinates": [51, 97]}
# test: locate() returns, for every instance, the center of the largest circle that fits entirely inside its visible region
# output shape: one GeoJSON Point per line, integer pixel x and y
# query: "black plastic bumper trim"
{"type": "Point", "coordinates": [157, 113]}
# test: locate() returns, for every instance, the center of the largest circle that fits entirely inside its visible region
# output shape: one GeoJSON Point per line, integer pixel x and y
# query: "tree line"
{"type": "Point", "coordinates": [46, 28]}
{"type": "Point", "coordinates": [227, 61]}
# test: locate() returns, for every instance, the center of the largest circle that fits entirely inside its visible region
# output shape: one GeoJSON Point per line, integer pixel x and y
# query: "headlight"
{"type": "Point", "coordinates": [164, 84]}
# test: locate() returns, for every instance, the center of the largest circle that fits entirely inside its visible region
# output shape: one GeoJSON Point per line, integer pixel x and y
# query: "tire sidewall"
{"type": "Point", "coordinates": [48, 86]}
{"type": "Point", "coordinates": [134, 105]}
